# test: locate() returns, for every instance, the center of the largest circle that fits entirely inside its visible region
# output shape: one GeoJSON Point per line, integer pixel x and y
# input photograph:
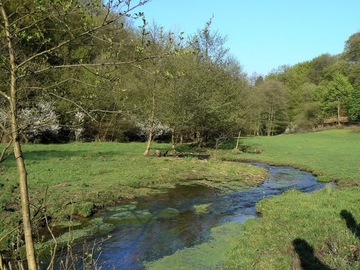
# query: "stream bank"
{"type": "Point", "coordinates": [188, 221]}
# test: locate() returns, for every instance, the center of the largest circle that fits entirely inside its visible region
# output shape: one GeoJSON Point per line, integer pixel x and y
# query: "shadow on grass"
{"type": "Point", "coordinates": [307, 257]}
{"type": "Point", "coordinates": [351, 222]}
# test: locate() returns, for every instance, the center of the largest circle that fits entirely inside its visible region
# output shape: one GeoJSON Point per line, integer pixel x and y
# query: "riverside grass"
{"type": "Point", "coordinates": [296, 230]}
{"type": "Point", "coordinates": [311, 231]}
{"type": "Point", "coordinates": [331, 155]}
{"type": "Point", "coordinates": [320, 230]}
{"type": "Point", "coordinates": [75, 179]}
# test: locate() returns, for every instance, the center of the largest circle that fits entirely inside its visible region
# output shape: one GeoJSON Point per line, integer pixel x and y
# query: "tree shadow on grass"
{"type": "Point", "coordinates": [307, 257]}
{"type": "Point", "coordinates": [351, 222]}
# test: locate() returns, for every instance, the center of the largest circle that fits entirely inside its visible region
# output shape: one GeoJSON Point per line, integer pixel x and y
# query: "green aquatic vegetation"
{"type": "Point", "coordinates": [202, 208]}
{"type": "Point", "coordinates": [135, 216]}
{"type": "Point", "coordinates": [167, 213]}
{"type": "Point", "coordinates": [118, 208]}
{"type": "Point", "coordinates": [74, 231]}
{"type": "Point", "coordinates": [208, 255]}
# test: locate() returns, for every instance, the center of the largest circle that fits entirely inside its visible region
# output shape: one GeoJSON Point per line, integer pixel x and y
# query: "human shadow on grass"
{"type": "Point", "coordinates": [307, 257]}
{"type": "Point", "coordinates": [351, 222]}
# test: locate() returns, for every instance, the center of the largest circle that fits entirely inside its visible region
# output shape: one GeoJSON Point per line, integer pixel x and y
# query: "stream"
{"type": "Point", "coordinates": [160, 224]}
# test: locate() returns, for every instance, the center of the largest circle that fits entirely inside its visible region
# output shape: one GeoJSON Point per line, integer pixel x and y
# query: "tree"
{"type": "Point", "coordinates": [338, 93]}
{"type": "Point", "coordinates": [35, 34]}
{"type": "Point", "coordinates": [209, 45]}
{"type": "Point", "coordinates": [354, 102]}
{"type": "Point", "coordinates": [273, 96]}
{"type": "Point", "coordinates": [149, 87]}
{"type": "Point", "coordinates": [317, 67]}
{"type": "Point", "coordinates": [352, 48]}
{"type": "Point", "coordinates": [308, 112]}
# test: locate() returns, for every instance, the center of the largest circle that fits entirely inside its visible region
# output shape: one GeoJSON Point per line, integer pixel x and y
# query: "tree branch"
{"type": "Point", "coordinates": [89, 31]}
{"type": "Point", "coordinates": [77, 105]}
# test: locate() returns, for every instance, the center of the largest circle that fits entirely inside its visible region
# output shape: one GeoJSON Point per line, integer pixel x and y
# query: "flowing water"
{"type": "Point", "coordinates": [160, 224]}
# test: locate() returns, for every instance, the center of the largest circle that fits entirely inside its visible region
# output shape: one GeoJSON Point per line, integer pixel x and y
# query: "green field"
{"type": "Point", "coordinates": [332, 155]}
{"type": "Point", "coordinates": [76, 179]}
{"type": "Point", "coordinates": [315, 231]}
{"type": "Point", "coordinates": [320, 230]}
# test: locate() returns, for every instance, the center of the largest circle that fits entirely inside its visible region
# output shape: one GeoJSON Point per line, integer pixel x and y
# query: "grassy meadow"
{"type": "Point", "coordinates": [296, 230]}
{"type": "Point", "coordinates": [331, 155]}
{"type": "Point", "coordinates": [320, 230]}
{"type": "Point", "coordinates": [76, 179]}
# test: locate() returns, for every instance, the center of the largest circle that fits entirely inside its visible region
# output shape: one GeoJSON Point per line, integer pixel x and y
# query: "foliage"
{"type": "Point", "coordinates": [338, 93]}
{"type": "Point", "coordinates": [354, 103]}
{"type": "Point", "coordinates": [158, 129]}
{"type": "Point", "coordinates": [352, 48]}
{"type": "Point", "coordinates": [273, 96]}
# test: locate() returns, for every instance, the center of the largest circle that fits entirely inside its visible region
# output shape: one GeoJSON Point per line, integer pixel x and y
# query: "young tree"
{"type": "Point", "coordinates": [150, 79]}
{"type": "Point", "coordinates": [338, 93]}
{"type": "Point", "coordinates": [273, 94]}
{"type": "Point", "coordinates": [354, 102]}
{"type": "Point", "coordinates": [35, 34]}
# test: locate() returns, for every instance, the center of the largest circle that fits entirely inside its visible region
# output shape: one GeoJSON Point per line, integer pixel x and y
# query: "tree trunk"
{"type": "Point", "coordinates": [24, 195]}
{"type": "Point", "coordinates": [199, 139]}
{"type": "Point", "coordinates": [238, 141]}
{"type": "Point", "coordinates": [173, 140]}
{"type": "Point", "coordinates": [25, 206]}
{"type": "Point", "coordinates": [148, 146]}
{"type": "Point", "coordinates": [152, 120]}
{"type": "Point", "coordinates": [338, 114]}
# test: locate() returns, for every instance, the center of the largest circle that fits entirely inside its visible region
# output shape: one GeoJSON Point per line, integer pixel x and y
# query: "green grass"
{"type": "Point", "coordinates": [77, 178]}
{"type": "Point", "coordinates": [332, 155]}
{"type": "Point", "coordinates": [316, 219]}
{"type": "Point", "coordinates": [320, 230]}
{"type": "Point", "coordinates": [296, 230]}
{"type": "Point", "coordinates": [317, 231]}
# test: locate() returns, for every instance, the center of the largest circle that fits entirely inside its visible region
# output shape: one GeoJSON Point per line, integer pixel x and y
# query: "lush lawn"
{"type": "Point", "coordinates": [332, 155]}
{"type": "Point", "coordinates": [314, 231]}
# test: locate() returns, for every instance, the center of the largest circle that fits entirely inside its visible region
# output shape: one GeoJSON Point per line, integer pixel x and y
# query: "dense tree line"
{"type": "Point", "coordinates": [128, 83]}
{"type": "Point", "coordinates": [324, 90]}
{"type": "Point", "coordinates": [140, 83]}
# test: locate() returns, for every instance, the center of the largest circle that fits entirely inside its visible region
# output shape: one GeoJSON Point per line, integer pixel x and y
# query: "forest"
{"type": "Point", "coordinates": [81, 70]}
{"type": "Point", "coordinates": [121, 82]}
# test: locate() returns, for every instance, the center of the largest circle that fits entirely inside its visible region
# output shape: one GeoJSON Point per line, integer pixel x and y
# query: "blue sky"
{"type": "Point", "coordinates": [264, 34]}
